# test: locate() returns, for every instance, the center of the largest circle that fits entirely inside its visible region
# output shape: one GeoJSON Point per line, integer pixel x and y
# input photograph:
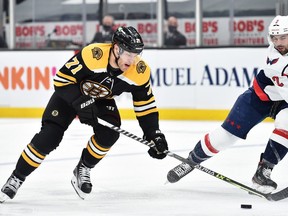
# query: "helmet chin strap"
{"type": "Point", "coordinates": [119, 53]}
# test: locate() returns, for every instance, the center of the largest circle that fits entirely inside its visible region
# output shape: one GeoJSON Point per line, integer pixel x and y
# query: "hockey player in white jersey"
{"type": "Point", "coordinates": [267, 97]}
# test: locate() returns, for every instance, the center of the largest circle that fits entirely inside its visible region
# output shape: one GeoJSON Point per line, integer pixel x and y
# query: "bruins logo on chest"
{"type": "Point", "coordinates": [95, 89]}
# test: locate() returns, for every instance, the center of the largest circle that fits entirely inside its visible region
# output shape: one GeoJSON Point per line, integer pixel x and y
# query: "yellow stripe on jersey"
{"type": "Point", "coordinates": [142, 108]}
{"type": "Point", "coordinates": [60, 84]}
{"type": "Point", "coordinates": [141, 103]}
{"type": "Point", "coordinates": [66, 77]}
{"type": "Point", "coordinates": [143, 113]}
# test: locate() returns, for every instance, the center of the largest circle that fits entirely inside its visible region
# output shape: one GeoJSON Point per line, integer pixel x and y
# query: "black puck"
{"type": "Point", "coordinates": [246, 206]}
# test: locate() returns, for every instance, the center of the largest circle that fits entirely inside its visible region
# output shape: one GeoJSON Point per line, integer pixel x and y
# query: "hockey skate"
{"type": "Point", "coordinates": [81, 180]}
{"type": "Point", "coordinates": [262, 181]}
{"type": "Point", "coordinates": [179, 172]}
{"type": "Point", "coordinates": [10, 188]}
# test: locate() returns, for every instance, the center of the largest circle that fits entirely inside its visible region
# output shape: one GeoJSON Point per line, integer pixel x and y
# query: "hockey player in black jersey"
{"type": "Point", "coordinates": [85, 86]}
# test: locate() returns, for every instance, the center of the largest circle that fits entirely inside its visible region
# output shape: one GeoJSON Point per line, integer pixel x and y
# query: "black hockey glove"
{"type": "Point", "coordinates": [86, 110]}
{"type": "Point", "coordinates": [159, 140]}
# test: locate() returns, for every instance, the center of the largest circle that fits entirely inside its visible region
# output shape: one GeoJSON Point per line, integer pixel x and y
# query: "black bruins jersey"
{"type": "Point", "coordinates": [87, 71]}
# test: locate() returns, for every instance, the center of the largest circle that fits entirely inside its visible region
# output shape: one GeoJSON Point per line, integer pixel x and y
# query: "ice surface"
{"type": "Point", "coordinates": [128, 182]}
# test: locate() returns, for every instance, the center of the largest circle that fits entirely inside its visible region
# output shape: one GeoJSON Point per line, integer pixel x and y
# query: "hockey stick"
{"type": "Point", "coordinates": [282, 194]}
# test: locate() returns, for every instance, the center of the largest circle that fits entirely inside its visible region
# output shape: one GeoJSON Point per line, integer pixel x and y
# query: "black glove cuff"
{"type": "Point", "coordinates": [152, 134]}
{"type": "Point", "coordinates": [154, 154]}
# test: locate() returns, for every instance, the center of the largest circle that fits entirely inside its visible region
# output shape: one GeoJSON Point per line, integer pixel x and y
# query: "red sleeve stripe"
{"type": "Point", "coordinates": [209, 146]}
{"type": "Point", "coordinates": [260, 93]}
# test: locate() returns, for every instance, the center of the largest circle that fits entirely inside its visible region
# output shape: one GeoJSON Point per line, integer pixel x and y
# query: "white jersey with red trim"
{"type": "Point", "coordinates": [271, 83]}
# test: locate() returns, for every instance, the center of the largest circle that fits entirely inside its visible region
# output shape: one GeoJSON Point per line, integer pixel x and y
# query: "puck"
{"type": "Point", "coordinates": [246, 206]}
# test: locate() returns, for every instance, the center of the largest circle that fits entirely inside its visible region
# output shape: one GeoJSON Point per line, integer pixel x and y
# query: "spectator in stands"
{"type": "Point", "coordinates": [173, 37]}
{"type": "Point", "coordinates": [105, 36]}
{"type": "Point", "coordinates": [3, 43]}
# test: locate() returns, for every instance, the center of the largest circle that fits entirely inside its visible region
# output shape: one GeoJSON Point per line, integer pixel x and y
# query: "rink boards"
{"type": "Point", "coordinates": [194, 84]}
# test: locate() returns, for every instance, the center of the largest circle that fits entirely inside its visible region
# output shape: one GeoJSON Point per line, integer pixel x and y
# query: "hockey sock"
{"type": "Point", "coordinates": [93, 153]}
{"type": "Point", "coordinates": [203, 150]}
{"type": "Point", "coordinates": [274, 152]}
{"type": "Point", "coordinates": [198, 155]}
{"type": "Point", "coordinates": [29, 160]}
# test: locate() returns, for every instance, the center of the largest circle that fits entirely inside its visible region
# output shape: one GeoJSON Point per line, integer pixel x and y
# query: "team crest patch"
{"type": "Point", "coordinates": [95, 89]}
{"type": "Point", "coordinates": [97, 53]}
{"type": "Point", "coordinates": [271, 61]}
{"type": "Point", "coordinates": [141, 67]}
{"type": "Point", "coordinates": [55, 113]}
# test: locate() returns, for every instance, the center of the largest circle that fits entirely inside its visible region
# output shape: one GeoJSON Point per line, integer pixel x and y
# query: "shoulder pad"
{"type": "Point", "coordinates": [96, 55]}
{"type": "Point", "coordinates": [137, 74]}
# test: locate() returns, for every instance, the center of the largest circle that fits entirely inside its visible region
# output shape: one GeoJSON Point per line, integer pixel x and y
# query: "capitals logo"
{"type": "Point", "coordinates": [271, 62]}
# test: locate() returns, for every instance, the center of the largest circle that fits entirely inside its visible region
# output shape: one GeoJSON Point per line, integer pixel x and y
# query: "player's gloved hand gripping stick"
{"type": "Point", "coordinates": [282, 194]}
{"type": "Point", "coordinates": [86, 110]}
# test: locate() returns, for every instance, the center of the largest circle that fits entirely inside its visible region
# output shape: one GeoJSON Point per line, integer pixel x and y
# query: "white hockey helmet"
{"type": "Point", "coordinates": [278, 26]}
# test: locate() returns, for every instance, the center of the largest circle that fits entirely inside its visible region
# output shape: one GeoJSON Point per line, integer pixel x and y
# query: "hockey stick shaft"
{"type": "Point", "coordinates": [282, 195]}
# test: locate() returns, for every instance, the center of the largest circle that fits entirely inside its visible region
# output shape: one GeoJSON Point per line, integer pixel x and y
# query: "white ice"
{"type": "Point", "coordinates": [128, 182]}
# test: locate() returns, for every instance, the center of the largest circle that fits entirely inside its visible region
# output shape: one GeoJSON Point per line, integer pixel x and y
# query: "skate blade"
{"type": "Point", "coordinates": [80, 193]}
{"type": "Point", "coordinates": [3, 197]}
{"type": "Point", "coordinates": [263, 189]}
{"type": "Point", "coordinates": [166, 182]}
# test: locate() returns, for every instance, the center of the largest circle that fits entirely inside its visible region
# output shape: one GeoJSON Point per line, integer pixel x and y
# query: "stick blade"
{"type": "Point", "coordinates": [280, 195]}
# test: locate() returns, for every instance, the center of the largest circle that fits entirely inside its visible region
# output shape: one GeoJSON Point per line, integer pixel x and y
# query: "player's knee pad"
{"type": "Point", "coordinates": [220, 139]}
{"type": "Point", "coordinates": [281, 120]}
{"type": "Point", "coordinates": [48, 138]}
{"type": "Point", "coordinates": [58, 112]}
{"type": "Point", "coordinates": [280, 132]}
{"type": "Point", "coordinates": [106, 137]}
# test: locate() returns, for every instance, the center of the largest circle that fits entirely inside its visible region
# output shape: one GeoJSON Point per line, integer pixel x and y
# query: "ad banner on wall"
{"type": "Point", "coordinates": [216, 32]}
{"type": "Point", "coordinates": [181, 79]}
